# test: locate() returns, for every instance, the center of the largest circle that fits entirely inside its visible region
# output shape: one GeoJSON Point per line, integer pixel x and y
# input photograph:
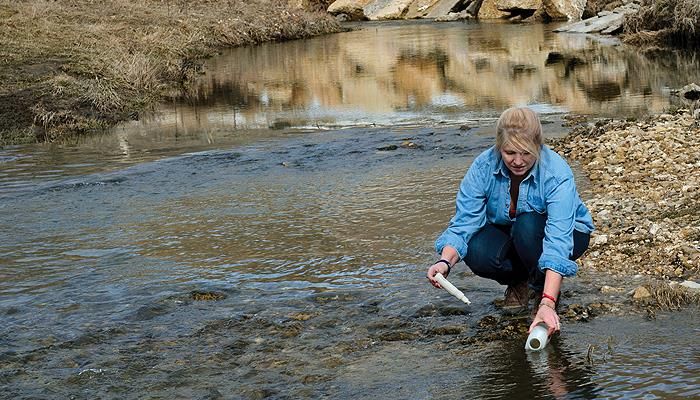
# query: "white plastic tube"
{"type": "Point", "coordinates": [451, 288]}
{"type": "Point", "coordinates": [538, 338]}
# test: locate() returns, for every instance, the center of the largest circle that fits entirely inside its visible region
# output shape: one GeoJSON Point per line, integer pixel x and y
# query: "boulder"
{"type": "Point", "coordinates": [690, 92]}
{"type": "Point", "coordinates": [422, 8]}
{"type": "Point", "coordinates": [352, 8]}
{"type": "Point", "coordinates": [473, 8]}
{"type": "Point", "coordinates": [453, 16]}
{"type": "Point", "coordinates": [689, 97]}
{"type": "Point", "coordinates": [605, 22]}
{"type": "Point", "coordinates": [539, 16]}
{"type": "Point", "coordinates": [386, 9]}
{"type": "Point", "coordinates": [489, 10]}
{"type": "Point", "coordinates": [442, 8]}
{"type": "Point", "coordinates": [505, 5]}
{"type": "Point", "coordinates": [571, 10]}
{"type": "Point", "coordinates": [595, 24]}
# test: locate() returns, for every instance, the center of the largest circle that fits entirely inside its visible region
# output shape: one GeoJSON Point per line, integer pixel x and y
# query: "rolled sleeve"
{"type": "Point", "coordinates": [558, 241]}
{"type": "Point", "coordinates": [470, 214]}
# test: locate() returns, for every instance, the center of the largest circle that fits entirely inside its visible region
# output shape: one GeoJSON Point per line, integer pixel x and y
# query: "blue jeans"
{"type": "Point", "coordinates": [509, 254]}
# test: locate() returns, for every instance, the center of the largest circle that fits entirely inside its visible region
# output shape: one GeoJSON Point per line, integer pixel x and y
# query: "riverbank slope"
{"type": "Point", "coordinates": [644, 180]}
{"type": "Point", "coordinates": [67, 67]}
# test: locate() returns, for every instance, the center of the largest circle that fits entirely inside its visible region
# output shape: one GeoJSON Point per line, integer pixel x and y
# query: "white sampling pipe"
{"type": "Point", "coordinates": [538, 338]}
{"type": "Point", "coordinates": [451, 288]}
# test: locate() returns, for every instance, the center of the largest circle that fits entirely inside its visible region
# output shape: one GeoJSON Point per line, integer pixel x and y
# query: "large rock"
{"type": "Point", "coordinates": [454, 16]}
{"type": "Point", "coordinates": [352, 8]}
{"type": "Point", "coordinates": [518, 4]}
{"type": "Point", "coordinates": [420, 8]}
{"type": "Point", "coordinates": [442, 8]}
{"type": "Point", "coordinates": [473, 8]}
{"type": "Point", "coordinates": [387, 9]}
{"type": "Point", "coordinates": [489, 10]}
{"type": "Point", "coordinates": [571, 10]}
{"type": "Point", "coordinates": [595, 24]}
{"type": "Point", "coordinates": [606, 22]}
{"type": "Point", "coordinates": [690, 92]}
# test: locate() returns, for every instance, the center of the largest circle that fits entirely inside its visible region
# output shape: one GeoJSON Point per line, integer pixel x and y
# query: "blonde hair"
{"type": "Point", "coordinates": [521, 128]}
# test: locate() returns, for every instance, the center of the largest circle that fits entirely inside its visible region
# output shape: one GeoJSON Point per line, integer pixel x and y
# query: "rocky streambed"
{"type": "Point", "coordinates": [642, 191]}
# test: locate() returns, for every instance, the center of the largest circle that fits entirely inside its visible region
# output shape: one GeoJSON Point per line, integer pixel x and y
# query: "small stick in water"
{"type": "Point", "coordinates": [451, 288]}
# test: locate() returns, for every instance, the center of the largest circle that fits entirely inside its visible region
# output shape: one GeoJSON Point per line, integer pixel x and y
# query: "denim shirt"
{"type": "Point", "coordinates": [549, 189]}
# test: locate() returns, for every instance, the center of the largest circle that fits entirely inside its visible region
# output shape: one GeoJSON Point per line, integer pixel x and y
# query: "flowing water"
{"type": "Point", "coordinates": [268, 234]}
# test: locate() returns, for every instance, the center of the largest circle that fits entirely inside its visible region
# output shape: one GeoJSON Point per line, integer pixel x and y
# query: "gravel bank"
{"type": "Point", "coordinates": [643, 194]}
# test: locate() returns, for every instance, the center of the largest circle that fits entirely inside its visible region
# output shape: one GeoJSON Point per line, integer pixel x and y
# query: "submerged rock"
{"type": "Point", "coordinates": [198, 295]}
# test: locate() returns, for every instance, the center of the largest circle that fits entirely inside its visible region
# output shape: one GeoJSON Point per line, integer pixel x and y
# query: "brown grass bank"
{"type": "Point", "coordinates": [69, 66]}
{"type": "Point", "coordinates": [664, 22]}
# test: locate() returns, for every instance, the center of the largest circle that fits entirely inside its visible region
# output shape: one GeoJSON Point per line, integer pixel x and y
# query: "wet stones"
{"type": "Point", "coordinates": [611, 290]}
{"type": "Point", "coordinates": [301, 316]}
{"type": "Point", "coordinates": [329, 297]}
{"type": "Point", "coordinates": [446, 330]}
{"type": "Point", "coordinates": [198, 295]}
{"type": "Point", "coordinates": [398, 336]}
{"type": "Point", "coordinates": [576, 312]}
{"type": "Point", "coordinates": [405, 144]}
{"type": "Point", "coordinates": [488, 321]}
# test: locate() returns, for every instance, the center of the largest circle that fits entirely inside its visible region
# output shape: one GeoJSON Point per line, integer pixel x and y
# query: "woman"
{"type": "Point", "coordinates": [519, 219]}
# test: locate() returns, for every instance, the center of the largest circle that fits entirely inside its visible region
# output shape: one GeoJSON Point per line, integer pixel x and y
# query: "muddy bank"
{"type": "Point", "coordinates": [642, 193]}
{"type": "Point", "coordinates": [69, 67]}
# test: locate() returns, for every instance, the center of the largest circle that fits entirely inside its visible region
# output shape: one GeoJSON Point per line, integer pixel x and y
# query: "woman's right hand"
{"type": "Point", "coordinates": [440, 267]}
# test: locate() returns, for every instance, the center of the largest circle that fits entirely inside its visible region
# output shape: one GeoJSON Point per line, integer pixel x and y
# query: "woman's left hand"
{"type": "Point", "coordinates": [546, 314]}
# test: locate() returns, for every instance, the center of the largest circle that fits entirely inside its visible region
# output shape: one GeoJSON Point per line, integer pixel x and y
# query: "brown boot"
{"type": "Point", "coordinates": [516, 299]}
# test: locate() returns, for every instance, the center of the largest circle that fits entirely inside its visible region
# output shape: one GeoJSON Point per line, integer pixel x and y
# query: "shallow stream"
{"type": "Point", "coordinates": [268, 235]}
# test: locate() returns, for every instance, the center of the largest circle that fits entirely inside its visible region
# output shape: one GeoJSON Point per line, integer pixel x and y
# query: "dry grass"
{"type": "Point", "coordinates": [672, 298]}
{"type": "Point", "coordinates": [67, 66]}
{"type": "Point", "coordinates": [675, 22]}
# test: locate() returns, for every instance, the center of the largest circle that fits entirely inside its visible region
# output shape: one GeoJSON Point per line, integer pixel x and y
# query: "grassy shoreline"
{"type": "Point", "coordinates": [674, 23]}
{"type": "Point", "coordinates": [70, 66]}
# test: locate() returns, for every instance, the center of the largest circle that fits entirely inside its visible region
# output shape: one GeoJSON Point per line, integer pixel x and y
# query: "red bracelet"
{"type": "Point", "coordinates": [546, 296]}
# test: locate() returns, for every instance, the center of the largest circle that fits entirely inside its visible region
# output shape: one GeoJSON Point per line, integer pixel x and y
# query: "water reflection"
{"type": "Point", "coordinates": [393, 73]}
{"type": "Point", "coordinates": [552, 373]}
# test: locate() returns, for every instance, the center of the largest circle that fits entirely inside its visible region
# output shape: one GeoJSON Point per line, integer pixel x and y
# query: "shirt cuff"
{"type": "Point", "coordinates": [560, 265]}
{"type": "Point", "coordinates": [454, 241]}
